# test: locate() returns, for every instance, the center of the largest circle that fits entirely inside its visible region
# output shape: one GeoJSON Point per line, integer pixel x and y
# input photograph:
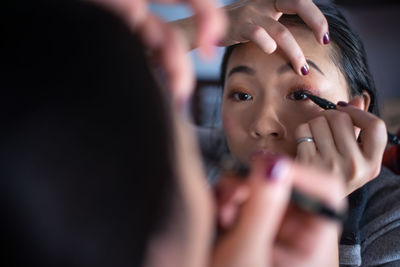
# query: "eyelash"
{"type": "Point", "coordinates": [299, 94]}
{"type": "Point", "coordinates": [235, 96]}
{"type": "Point", "coordinates": [295, 95]}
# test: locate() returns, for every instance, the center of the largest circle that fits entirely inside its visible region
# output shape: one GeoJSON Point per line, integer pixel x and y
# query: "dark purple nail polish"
{"type": "Point", "coordinates": [219, 42]}
{"type": "Point", "coordinates": [342, 104]}
{"type": "Point", "coordinates": [217, 193]}
{"type": "Point", "coordinates": [326, 38]}
{"type": "Point", "coordinates": [277, 168]}
{"type": "Point", "coordinates": [304, 70]}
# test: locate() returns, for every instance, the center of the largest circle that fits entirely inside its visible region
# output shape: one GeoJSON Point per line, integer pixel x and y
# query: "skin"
{"type": "Point", "coordinates": [262, 116]}
{"type": "Point", "coordinates": [250, 20]}
{"type": "Point", "coordinates": [188, 238]}
{"type": "Point", "coordinates": [269, 120]}
{"type": "Point", "coordinates": [259, 233]}
{"type": "Point", "coordinates": [260, 113]}
{"type": "Point", "coordinates": [257, 21]}
{"type": "Point", "coordinates": [251, 239]}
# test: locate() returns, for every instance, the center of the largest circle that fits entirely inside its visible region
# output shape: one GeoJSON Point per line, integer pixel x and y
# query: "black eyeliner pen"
{"type": "Point", "coordinates": [228, 163]}
{"type": "Point", "coordinates": [325, 104]}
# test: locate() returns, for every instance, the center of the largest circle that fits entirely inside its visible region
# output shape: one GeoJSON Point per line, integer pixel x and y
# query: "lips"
{"type": "Point", "coordinates": [264, 153]}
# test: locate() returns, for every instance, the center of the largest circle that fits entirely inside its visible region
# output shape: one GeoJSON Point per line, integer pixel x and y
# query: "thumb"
{"type": "Point", "coordinates": [270, 192]}
{"type": "Point", "coordinates": [249, 241]}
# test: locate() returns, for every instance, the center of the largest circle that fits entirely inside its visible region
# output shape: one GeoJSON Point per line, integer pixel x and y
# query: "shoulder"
{"type": "Point", "coordinates": [382, 196]}
{"type": "Point", "coordinates": [380, 222]}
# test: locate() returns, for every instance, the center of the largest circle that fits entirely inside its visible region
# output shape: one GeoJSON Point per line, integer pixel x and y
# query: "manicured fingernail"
{"type": "Point", "coordinates": [326, 38]}
{"type": "Point", "coordinates": [217, 192]}
{"type": "Point", "coordinates": [304, 70]}
{"type": "Point", "coordinates": [277, 169]}
{"type": "Point", "coordinates": [342, 104]}
{"type": "Point", "coordinates": [219, 42]}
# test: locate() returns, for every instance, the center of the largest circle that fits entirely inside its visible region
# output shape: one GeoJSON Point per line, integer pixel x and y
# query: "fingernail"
{"type": "Point", "coordinates": [326, 38]}
{"type": "Point", "coordinates": [277, 169]}
{"type": "Point", "coordinates": [342, 104]}
{"type": "Point", "coordinates": [217, 192]}
{"type": "Point", "coordinates": [304, 70]}
{"type": "Point", "coordinates": [219, 42]}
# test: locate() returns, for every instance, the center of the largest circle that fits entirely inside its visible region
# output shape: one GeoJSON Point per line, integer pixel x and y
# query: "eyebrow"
{"type": "Point", "coordinates": [242, 69]}
{"type": "Point", "coordinates": [288, 67]}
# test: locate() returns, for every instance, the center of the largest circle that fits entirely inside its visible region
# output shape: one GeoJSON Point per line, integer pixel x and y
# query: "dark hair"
{"type": "Point", "coordinates": [87, 173]}
{"type": "Point", "coordinates": [348, 53]}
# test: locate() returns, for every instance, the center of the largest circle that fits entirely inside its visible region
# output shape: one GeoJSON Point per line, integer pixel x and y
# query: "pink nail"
{"type": "Point", "coordinates": [326, 38]}
{"type": "Point", "coordinates": [277, 168]}
{"type": "Point", "coordinates": [304, 70]}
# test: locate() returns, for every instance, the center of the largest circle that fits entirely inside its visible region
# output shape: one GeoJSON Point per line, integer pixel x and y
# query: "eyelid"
{"type": "Point", "coordinates": [301, 89]}
{"type": "Point", "coordinates": [237, 89]}
{"type": "Point", "coordinates": [233, 92]}
{"type": "Point", "coordinates": [305, 88]}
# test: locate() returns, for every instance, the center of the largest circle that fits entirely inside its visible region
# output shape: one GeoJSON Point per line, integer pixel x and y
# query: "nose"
{"type": "Point", "coordinates": [266, 124]}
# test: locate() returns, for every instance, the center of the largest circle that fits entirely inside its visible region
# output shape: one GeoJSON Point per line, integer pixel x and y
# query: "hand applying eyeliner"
{"type": "Point", "coordinates": [325, 104]}
{"type": "Point", "coordinates": [351, 154]}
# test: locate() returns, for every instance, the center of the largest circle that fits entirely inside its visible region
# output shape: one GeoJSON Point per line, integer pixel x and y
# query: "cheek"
{"type": "Point", "coordinates": [235, 130]}
{"type": "Point", "coordinates": [232, 128]}
{"type": "Point", "coordinates": [294, 115]}
{"type": "Point", "coordinates": [231, 119]}
{"type": "Point", "coordinates": [228, 122]}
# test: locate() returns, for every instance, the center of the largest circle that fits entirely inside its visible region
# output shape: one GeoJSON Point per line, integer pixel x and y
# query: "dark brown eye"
{"type": "Point", "coordinates": [241, 96]}
{"type": "Point", "coordinates": [298, 95]}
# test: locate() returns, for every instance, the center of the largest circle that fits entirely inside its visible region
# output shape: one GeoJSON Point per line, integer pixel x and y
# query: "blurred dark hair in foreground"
{"type": "Point", "coordinates": [86, 177]}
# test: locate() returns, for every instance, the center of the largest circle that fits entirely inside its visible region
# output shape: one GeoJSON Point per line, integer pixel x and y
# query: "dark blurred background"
{"type": "Point", "coordinates": [376, 21]}
{"type": "Point", "coordinates": [378, 24]}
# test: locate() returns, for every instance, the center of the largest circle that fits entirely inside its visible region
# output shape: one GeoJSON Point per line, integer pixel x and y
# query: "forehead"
{"type": "Point", "coordinates": [250, 55]}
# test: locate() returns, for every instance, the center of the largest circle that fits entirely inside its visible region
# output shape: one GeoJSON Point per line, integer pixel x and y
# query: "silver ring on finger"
{"type": "Point", "coordinates": [304, 139]}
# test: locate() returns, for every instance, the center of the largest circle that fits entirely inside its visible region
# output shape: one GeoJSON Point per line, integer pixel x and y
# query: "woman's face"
{"type": "Point", "coordinates": [260, 111]}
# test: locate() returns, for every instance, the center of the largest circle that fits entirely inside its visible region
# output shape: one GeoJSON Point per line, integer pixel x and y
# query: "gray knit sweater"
{"type": "Point", "coordinates": [371, 235]}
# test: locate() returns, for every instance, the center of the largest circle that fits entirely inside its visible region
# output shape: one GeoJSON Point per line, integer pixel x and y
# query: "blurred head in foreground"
{"type": "Point", "coordinates": [92, 172]}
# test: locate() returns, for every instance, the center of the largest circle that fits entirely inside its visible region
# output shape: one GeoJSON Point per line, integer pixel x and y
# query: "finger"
{"type": "Point", "coordinates": [168, 46]}
{"type": "Point", "coordinates": [305, 150]}
{"type": "Point", "coordinates": [259, 36]}
{"type": "Point", "coordinates": [310, 14]}
{"type": "Point", "coordinates": [269, 186]}
{"type": "Point", "coordinates": [322, 135]}
{"type": "Point", "coordinates": [211, 24]}
{"type": "Point", "coordinates": [343, 133]}
{"type": "Point", "coordinates": [178, 68]}
{"type": "Point", "coordinates": [373, 131]}
{"type": "Point", "coordinates": [254, 231]}
{"type": "Point", "coordinates": [152, 31]}
{"type": "Point", "coordinates": [227, 186]}
{"type": "Point", "coordinates": [231, 192]}
{"type": "Point", "coordinates": [299, 229]}
{"type": "Point", "coordinates": [319, 184]}
{"type": "Point", "coordinates": [288, 44]}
